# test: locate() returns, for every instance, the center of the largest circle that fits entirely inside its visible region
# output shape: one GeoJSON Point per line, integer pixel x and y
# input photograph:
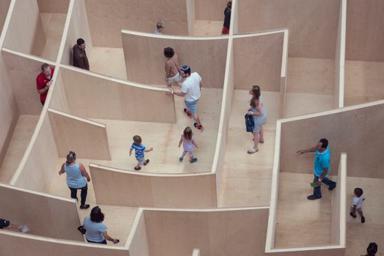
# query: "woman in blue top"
{"type": "Point", "coordinates": [77, 178]}
{"type": "Point", "coordinates": [95, 229]}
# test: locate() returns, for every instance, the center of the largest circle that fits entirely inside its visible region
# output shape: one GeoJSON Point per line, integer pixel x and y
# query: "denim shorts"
{"type": "Point", "coordinates": [191, 106]}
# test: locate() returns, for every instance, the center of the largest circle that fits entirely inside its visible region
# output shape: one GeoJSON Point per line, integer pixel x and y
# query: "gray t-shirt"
{"type": "Point", "coordinates": [94, 231]}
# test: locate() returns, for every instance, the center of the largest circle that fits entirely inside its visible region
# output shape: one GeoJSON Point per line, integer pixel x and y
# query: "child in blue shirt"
{"type": "Point", "coordinates": [140, 149]}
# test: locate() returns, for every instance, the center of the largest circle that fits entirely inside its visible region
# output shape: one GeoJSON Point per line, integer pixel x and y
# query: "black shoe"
{"type": "Point", "coordinates": [332, 187]}
{"type": "Point", "coordinates": [353, 214]}
{"type": "Point", "coordinates": [362, 219]}
{"type": "Point", "coordinates": [146, 162]}
{"type": "Point", "coordinates": [84, 207]}
{"type": "Point", "coordinates": [313, 197]}
{"type": "Point", "coordinates": [137, 168]}
{"type": "Point", "coordinates": [180, 159]}
{"type": "Point", "coordinates": [193, 160]}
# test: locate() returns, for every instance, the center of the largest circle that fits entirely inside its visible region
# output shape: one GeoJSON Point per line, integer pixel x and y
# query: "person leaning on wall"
{"type": "Point", "coordinates": [77, 178]}
{"type": "Point", "coordinates": [79, 57]}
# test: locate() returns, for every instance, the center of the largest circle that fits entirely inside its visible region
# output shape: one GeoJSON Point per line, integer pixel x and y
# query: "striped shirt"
{"type": "Point", "coordinates": [139, 150]}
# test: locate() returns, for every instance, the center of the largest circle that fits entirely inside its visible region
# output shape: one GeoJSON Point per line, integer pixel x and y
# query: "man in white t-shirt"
{"type": "Point", "coordinates": [191, 91]}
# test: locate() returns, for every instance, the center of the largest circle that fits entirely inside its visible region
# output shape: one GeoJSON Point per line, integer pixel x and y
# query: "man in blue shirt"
{"type": "Point", "coordinates": [322, 165]}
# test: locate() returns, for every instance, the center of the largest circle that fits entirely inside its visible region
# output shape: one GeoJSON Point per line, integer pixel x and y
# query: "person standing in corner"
{"type": "Point", "coordinates": [227, 18]}
{"type": "Point", "coordinates": [77, 178]}
{"type": "Point", "coordinates": [79, 57]}
{"type": "Point", "coordinates": [44, 81]}
{"type": "Point", "coordinates": [322, 164]}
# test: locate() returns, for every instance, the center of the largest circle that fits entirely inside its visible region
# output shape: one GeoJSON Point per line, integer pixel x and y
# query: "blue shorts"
{"type": "Point", "coordinates": [191, 106]}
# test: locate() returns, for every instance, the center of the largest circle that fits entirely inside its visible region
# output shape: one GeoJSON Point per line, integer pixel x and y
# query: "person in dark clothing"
{"type": "Point", "coordinates": [227, 18]}
{"type": "Point", "coordinates": [371, 249]}
{"type": "Point", "coordinates": [80, 58]}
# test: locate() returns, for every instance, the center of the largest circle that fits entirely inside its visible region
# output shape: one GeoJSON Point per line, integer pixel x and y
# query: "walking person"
{"type": "Point", "coordinates": [227, 18]}
{"type": "Point", "coordinates": [95, 229]}
{"type": "Point", "coordinates": [357, 204]}
{"type": "Point", "coordinates": [8, 225]}
{"type": "Point", "coordinates": [191, 91]}
{"type": "Point", "coordinates": [79, 57]}
{"type": "Point", "coordinates": [321, 170]}
{"type": "Point", "coordinates": [77, 178]}
{"type": "Point", "coordinates": [371, 249]}
{"type": "Point", "coordinates": [189, 145]}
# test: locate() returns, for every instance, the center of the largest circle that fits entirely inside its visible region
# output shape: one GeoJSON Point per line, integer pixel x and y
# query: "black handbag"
{"type": "Point", "coordinates": [82, 230]}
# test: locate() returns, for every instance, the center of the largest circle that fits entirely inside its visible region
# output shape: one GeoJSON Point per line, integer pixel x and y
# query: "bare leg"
{"type": "Point", "coordinates": [261, 140]}
{"type": "Point", "coordinates": [255, 143]}
{"type": "Point", "coordinates": [182, 156]}
{"type": "Point", "coordinates": [197, 120]}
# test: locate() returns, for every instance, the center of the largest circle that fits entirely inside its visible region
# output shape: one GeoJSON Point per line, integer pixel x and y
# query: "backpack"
{"type": "Point", "coordinates": [249, 123]}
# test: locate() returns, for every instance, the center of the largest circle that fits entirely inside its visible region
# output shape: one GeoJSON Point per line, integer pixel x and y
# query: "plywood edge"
{"type": "Point", "coordinates": [38, 193]}
{"type": "Point", "coordinates": [37, 130]}
{"type": "Point", "coordinates": [270, 238]}
{"type": "Point", "coordinates": [148, 174]}
{"type": "Point", "coordinates": [76, 118]}
{"type": "Point", "coordinates": [261, 33]}
{"type": "Point", "coordinates": [115, 80]}
{"type": "Point", "coordinates": [172, 37]}
{"type": "Point", "coordinates": [307, 249]}
{"type": "Point", "coordinates": [225, 97]}
{"type": "Point", "coordinates": [334, 111]}
{"type": "Point", "coordinates": [65, 31]}
{"type": "Point", "coordinates": [341, 49]}
{"type": "Point", "coordinates": [59, 241]}
{"type": "Point", "coordinates": [234, 29]}
{"type": "Point", "coordinates": [7, 22]}
{"type": "Point", "coordinates": [343, 200]}
{"type": "Point", "coordinates": [134, 227]}
{"type": "Point", "coordinates": [28, 56]}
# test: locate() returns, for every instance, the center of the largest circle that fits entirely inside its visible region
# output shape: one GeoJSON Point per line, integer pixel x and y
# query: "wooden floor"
{"type": "Point", "coordinates": [108, 61]}
{"type": "Point", "coordinates": [360, 235]}
{"type": "Point", "coordinates": [207, 28]}
{"type": "Point", "coordinates": [53, 25]}
{"type": "Point", "coordinates": [301, 222]}
{"type": "Point", "coordinates": [164, 138]}
{"type": "Point", "coordinates": [247, 178]}
{"type": "Point", "coordinates": [19, 141]}
{"type": "Point", "coordinates": [363, 82]}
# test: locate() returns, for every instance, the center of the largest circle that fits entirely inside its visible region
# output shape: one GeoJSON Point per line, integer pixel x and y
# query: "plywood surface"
{"type": "Point", "coordinates": [108, 61]}
{"type": "Point", "coordinates": [312, 24]}
{"type": "Point", "coordinates": [53, 6]}
{"type": "Point", "coordinates": [21, 136]}
{"type": "Point", "coordinates": [120, 101]}
{"type": "Point", "coordinates": [207, 28]}
{"type": "Point", "coordinates": [238, 232]}
{"type": "Point", "coordinates": [107, 19]}
{"type": "Point", "coordinates": [42, 213]}
{"type": "Point", "coordinates": [4, 5]}
{"type": "Point", "coordinates": [258, 60]}
{"type": "Point", "coordinates": [212, 10]}
{"type": "Point", "coordinates": [144, 55]}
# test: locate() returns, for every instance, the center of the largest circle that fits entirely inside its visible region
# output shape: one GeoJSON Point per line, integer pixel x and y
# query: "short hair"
{"type": "Point", "coordinates": [80, 41]}
{"type": "Point", "coordinates": [185, 69]}
{"type": "Point", "coordinates": [169, 52]}
{"type": "Point", "coordinates": [71, 157]}
{"type": "Point", "coordinates": [358, 192]}
{"type": "Point", "coordinates": [372, 249]}
{"type": "Point", "coordinates": [159, 25]}
{"type": "Point", "coordinates": [44, 66]}
{"type": "Point", "coordinates": [96, 215]}
{"type": "Point", "coordinates": [229, 4]}
{"type": "Point", "coordinates": [137, 139]}
{"type": "Point", "coordinates": [324, 142]}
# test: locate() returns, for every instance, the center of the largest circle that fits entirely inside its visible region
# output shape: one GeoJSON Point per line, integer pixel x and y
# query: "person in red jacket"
{"type": "Point", "coordinates": [44, 81]}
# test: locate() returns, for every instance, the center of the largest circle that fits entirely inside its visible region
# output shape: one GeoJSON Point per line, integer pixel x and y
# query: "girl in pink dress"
{"type": "Point", "coordinates": [189, 145]}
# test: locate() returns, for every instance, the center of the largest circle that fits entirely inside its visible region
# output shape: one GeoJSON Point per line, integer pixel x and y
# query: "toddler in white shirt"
{"type": "Point", "coordinates": [357, 204]}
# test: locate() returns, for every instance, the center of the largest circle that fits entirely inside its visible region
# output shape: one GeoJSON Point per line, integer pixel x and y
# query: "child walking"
{"type": "Point", "coordinates": [140, 149]}
{"type": "Point", "coordinates": [357, 204]}
{"type": "Point", "coordinates": [189, 145]}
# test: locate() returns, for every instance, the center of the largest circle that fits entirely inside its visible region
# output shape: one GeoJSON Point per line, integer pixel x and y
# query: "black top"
{"type": "Point", "coordinates": [80, 58]}
{"type": "Point", "coordinates": [4, 223]}
{"type": "Point", "coordinates": [227, 17]}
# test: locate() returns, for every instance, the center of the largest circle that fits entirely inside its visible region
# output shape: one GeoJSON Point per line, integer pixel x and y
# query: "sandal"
{"type": "Point", "coordinates": [261, 141]}
{"type": "Point", "coordinates": [187, 112]}
{"type": "Point", "coordinates": [198, 126]}
{"type": "Point", "coordinates": [146, 162]}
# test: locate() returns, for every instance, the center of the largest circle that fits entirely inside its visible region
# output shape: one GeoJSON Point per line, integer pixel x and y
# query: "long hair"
{"type": "Point", "coordinates": [188, 133]}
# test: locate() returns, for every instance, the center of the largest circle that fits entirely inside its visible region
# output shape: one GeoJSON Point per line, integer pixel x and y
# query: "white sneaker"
{"type": "Point", "coordinates": [23, 229]}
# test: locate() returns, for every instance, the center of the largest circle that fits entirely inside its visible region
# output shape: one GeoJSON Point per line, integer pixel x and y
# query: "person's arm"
{"type": "Point", "coordinates": [178, 93]}
{"type": "Point", "coordinates": [62, 171]}
{"type": "Point", "coordinates": [84, 172]}
{"type": "Point", "coordinates": [167, 69]}
{"type": "Point", "coordinates": [254, 113]}
{"type": "Point", "coordinates": [42, 87]}
{"type": "Point", "coordinates": [323, 174]}
{"type": "Point", "coordinates": [109, 238]}
{"type": "Point", "coordinates": [149, 150]}
{"type": "Point", "coordinates": [201, 84]}
{"type": "Point", "coordinates": [130, 151]}
{"type": "Point", "coordinates": [309, 150]}
{"type": "Point", "coordinates": [194, 143]}
{"type": "Point", "coordinates": [180, 141]}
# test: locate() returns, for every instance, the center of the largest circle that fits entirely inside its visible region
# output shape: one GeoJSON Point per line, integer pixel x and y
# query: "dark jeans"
{"type": "Point", "coordinates": [317, 190]}
{"type": "Point", "coordinates": [83, 195]}
{"type": "Point", "coordinates": [102, 242]}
